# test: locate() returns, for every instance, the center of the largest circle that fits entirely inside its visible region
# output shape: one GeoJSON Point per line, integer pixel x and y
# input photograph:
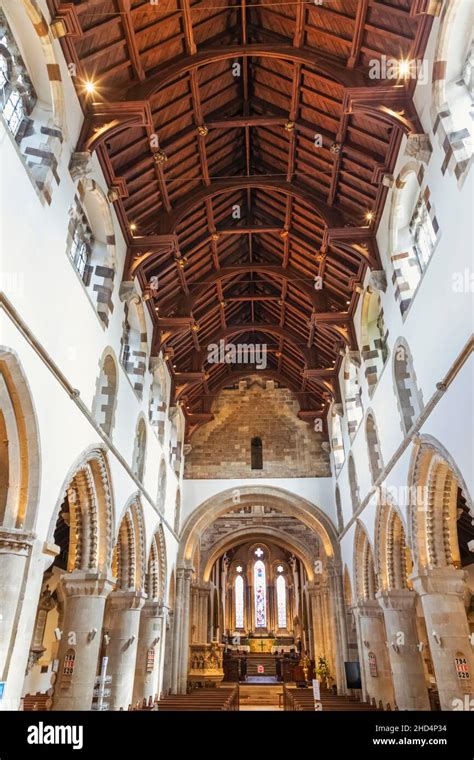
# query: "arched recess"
{"type": "Point", "coordinates": [393, 556]}
{"type": "Point", "coordinates": [409, 396]}
{"type": "Point", "coordinates": [374, 338]}
{"type": "Point", "coordinates": [339, 513]}
{"type": "Point", "coordinates": [134, 342]}
{"type": "Point", "coordinates": [105, 398]}
{"type": "Point", "coordinates": [366, 581]}
{"type": "Point", "coordinates": [158, 399]}
{"type": "Point", "coordinates": [19, 446]}
{"type": "Point", "coordinates": [413, 232]}
{"type": "Point", "coordinates": [453, 87]}
{"type": "Point", "coordinates": [84, 513]}
{"type": "Point", "coordinates": [161, 495]}
{"type": "Point", "coordinates": [337, 441]}
{"type": "Point", "coordinates": [353, 484]}
{"type": "Point", "coordinates": [90, 245]}
{"type": "Point", "coordinates": [352, 396]}
{"type": "Point", "coordinates": [32, 92]}
{"type": "Point", "coordinates": [373, 446]}
{"type": "Point", "coordinates": [128, 562]}
{"type": "Point", "coordinates": [155, 581]}
{"type": "Point", "coordinates": [212, 508]}
{"type": "Point", "coordinates": [139, 449]}
{"type": "Point", "coordinates": [439, 502]}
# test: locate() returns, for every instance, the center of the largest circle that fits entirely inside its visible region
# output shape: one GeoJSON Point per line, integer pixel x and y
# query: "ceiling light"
{"type": "Point", "coordinates": [404, 67]}
{"type": "Point", "coordinates": [89, 87]}
{"type": "Point", "coordinates": [133, 227]}
{"type": "Point", "coordinates": [369, 216]}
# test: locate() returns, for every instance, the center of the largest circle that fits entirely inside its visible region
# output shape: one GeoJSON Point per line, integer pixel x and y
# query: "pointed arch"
{"type": "Point", "coordinates": [373, 445]}
{"type": "Point", "coordinates": [128, 564]}
{"type": "Point", "coordinates": [374, 338]}
{"type": "Point", "coordinates": [352, 395]}
{"type": "Point", "coordinates": [365, 574]}
{"type": "Point", "coordinates": [139, 449]}
{"type": "Point", "coordinates": [105, 398]}
{"type": "Point", "coordinates": [393, 556]}
{"type": "Point", "coordinates": [409, 397]}
{"type": "Point", "coordinates": [353, 484]}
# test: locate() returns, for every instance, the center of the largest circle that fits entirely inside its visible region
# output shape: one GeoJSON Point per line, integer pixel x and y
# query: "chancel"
{"type": "Point", "coordinates": [236, 357]}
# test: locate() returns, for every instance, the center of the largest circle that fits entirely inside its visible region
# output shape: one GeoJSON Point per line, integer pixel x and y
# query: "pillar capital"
{"type": "Point", "coordinates": [440, 580]}
{"type": "Point", "coordinates": [368, 608]}
{"type": "Point", "coordinates": [399, 599]}
{"type": "Point", "coordinates": [16, 541]}
{"type": "Point", "coordinates": [126, 600]}
{"type": "Point", "coordinates": [153, 609]}
{"type": "Point", "coordinates": [84, 583]}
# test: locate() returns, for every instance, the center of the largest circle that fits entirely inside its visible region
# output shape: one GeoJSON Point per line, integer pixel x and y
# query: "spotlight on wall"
{"type": "Point", "coordinates": [106, 639]}
{"type": "Point", "coordinates": [436, 637]}
{"type": "Point", "coordinates": [91, 634]}
{"type": "Point", "coordinates": [57, 634]}
{"type": "Point", "coordinates": [367, 644]}
{"type": "Point", "coordinates": [395, 647]}
{"type": "Point", "coordinates": [131, 640]}
{"type": "Point", "coordinates": [420, 646]}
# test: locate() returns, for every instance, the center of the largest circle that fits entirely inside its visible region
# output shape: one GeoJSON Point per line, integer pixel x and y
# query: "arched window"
{"type": "Point", "coordinates": [177, 512]}
{"type": "Point", "coordinates": [134, 343]}
{"type": "Point", "coordinates": [239, 601]}
{"type": "Point", "coordinates": [31, 97]}
{"type": "Point", "coordinates": [414, 233]}
{"type": "Point", "coordinates": [90, 245]}
{"type": "Point", "coordinates": [374, 338]}
{"type": "Point", "coordinates": [353, 485]}
{"type": "Point", "coordinates": [352, 397]}
{"type": "Point", "coordinates": [158, 405]}
{"type": "Point", "coordinates": [260, 590]}
{"type": "Point", "coordinates": [256, 454]}
{"type": "Point", "coordinates": [139, 453]}
{"type": "Point", "coordinates": [281, 601]}
{"type": "Point", "coordinates": [408, 395]}
{"type": "Point", "coordinates": [337, 443]}
{"type": "Point", "coordinates": [375, 456]}
{"type": "Point", "coordinates": [453, 85]}
{"type": "Point", "coordinates": [105, 399]}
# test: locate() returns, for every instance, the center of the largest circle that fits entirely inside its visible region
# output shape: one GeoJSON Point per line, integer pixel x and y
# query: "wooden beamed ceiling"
{"type": "Point", "coordinates": [244, 144]}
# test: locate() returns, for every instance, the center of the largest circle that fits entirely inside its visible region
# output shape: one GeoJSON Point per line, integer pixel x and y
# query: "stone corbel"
{"type": "Point", "coordinates": [355, 358]}
{"type": "Point", "coordinates": [419, 147]}
{"type": "Point", "coordinates": [338, 409]}
{"type": "Point", "coordinates": [80, 166]}
{"type": "Point", "coordinates": [128, 291]}
{"type": "Point", "coordinates": [378, 280]}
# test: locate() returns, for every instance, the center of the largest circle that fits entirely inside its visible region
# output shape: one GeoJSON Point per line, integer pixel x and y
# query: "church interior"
{"type": "Point", "coordinates": [236, 356]}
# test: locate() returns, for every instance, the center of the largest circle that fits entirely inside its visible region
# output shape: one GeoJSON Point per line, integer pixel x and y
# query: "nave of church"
{"type": "Point", "coordinates": [236, 356]}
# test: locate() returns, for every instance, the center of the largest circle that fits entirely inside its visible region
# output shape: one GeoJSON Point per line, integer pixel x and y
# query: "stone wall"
{"type": "Point", "coordinates": [222, 448]}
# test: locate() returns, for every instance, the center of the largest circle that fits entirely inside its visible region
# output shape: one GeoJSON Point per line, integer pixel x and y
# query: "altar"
{"type": "Point", "coordinates": [261, 645]}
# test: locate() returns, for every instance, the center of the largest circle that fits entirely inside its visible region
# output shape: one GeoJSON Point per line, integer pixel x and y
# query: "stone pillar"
{"type": "Point", "coordinates": [123, 623]}
{"type": "Point", "coordinates": [184, 649]}
{"type": "Point", "coordinates": [84, 595]}
{"type": "Point", "coordinates": [177, 630]}
{"type": "Point", "coordinates": [377, 677]}
{"type": "Point", "coordinates": [316, 614]}
{"type": "Point", "coordinates": [339, 625]}
{"type": "Point", "coordinates": [442, 596]}
{"type": "Point", "coordinates": [149, 639]}
{"type": "Point", "coordinates": [15, 549]}
{"type": "Point", "coordinates": [168, 653]}
{"type": "Point", "coordinates": [409, 684]}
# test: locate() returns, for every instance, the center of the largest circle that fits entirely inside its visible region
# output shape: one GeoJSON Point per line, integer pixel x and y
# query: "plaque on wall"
{"type": "Point", "coordinates": [462, 667]}
{"type": "Point", "coordinates": [373, 665]}
{"type": "Point", "coordinates": [150, 659]}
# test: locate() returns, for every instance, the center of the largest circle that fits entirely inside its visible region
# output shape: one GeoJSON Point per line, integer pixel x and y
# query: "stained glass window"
{"type": "Point", "coordinates": [239, 602]}
{"type": "Point", "coordinates": [260, 595]}
{"type": "Point", "coordinates": [281, 601]}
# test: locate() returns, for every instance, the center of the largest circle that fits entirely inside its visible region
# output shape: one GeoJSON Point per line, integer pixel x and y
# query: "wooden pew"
{"type": "Point", "coordinates": [38, 701]}
{"type": "Point", "coordinates": [213, 700]}
{"type": "Point", "coordinates": [297, 699]}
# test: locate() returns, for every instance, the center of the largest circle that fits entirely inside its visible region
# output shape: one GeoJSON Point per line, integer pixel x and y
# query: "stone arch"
{"type": "Point", "coordinates": [41, 133]}
{"type": "Point", "coordinates": [339, 513]}
{"type": "Point", "coordinates": [161, 496]}
{"type": "Point", "coordinates": [90, 245]}
{"type": "Point", "coordinates": [337, 441]}
{"type": "Point", "coordinates": [393, 557]}
{"type": "Point", "coordinates": [409, 396]}
{"type": "Point", "coordinates": [134, 342]}
{"type": "Point", "coordinates": [176, 440]}
{"type": "Point", "coordinates": [20, 475]}
{"type": "Point", "coordinates": [105, 398]}
{"type": "Point", "coordinates": [155, 580]}
{"type": "Point", "coordinates": [209, 510]}
{"type": "Point", "coordinates": [347, 588]}
{"type": "Point", "coordinates": [353, 484]}
{"type": "Point", "coordinates": [453, 87]}
{"type": "Point", "coordinates": [129, 558]}
{"type": "Point", "coordinates": [373, 445]}
{"type": "Point", "coordinates": [352, 395]}
{"type": "Point", "coordinates": [86, 495]}
{"type": "Point", "coordinates": [139, 449]}
{"type": "Point", "coordinates": [158, 398]}
{"type": "Point", "coordinates": [435, 481]}
{"type": "Point", "coordinates": [374, 338]}
{"type": "Point", "coordinates": [364, 566]}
